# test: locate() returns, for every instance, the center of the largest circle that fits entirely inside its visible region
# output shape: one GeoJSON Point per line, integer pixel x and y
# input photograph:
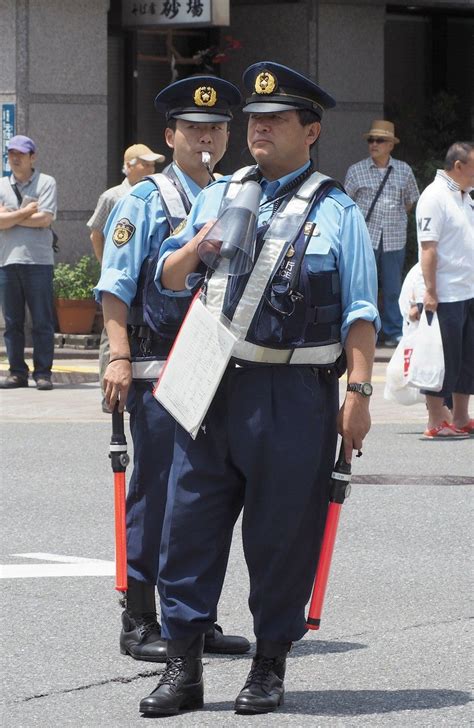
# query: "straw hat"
{"type": "Point", "coordinates": [381, 128]}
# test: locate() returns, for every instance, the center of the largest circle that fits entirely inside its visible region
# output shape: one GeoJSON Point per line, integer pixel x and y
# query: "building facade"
{"type": "Point", "coordinates": [80, 77]}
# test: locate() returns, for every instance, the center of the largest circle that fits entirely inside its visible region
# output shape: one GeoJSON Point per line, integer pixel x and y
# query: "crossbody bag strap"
{"type": "Point", "coordinates": [17, 193]}
{"type": "Point", "coordinates": [378, 193]}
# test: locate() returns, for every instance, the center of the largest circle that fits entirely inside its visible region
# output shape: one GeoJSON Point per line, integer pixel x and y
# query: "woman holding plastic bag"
{"type": "Point", "coordinates": [406, 373]}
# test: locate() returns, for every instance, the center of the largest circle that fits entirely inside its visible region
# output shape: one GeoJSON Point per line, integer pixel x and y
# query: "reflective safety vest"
{"type": "Point", "coordinates": [154, 318]}
{"type": "Point", "coordinates": [282, 312]}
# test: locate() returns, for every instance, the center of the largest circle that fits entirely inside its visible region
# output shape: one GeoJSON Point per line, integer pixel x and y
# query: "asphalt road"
{"type": "Point", "coordinates": [394, 645]}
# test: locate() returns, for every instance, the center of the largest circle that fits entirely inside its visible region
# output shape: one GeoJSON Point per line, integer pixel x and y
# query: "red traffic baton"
{"type": "Point", "coordinates": [340, 490]}
{"type": "Point", "coordinates": [119, 459]}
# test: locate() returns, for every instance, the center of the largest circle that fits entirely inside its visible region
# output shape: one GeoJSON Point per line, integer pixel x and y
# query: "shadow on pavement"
{"type": "Point", "coordinates": [320, 647]}
{"type": "Point", "coordinates": [367, 702]}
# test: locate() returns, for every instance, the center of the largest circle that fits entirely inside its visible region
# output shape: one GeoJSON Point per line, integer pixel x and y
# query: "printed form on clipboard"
{"type": "Point", "coordinates": [195, 367]}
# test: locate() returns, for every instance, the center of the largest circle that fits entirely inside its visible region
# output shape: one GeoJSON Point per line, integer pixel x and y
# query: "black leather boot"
{"type": "Point", "coordinates": [141, 634]}
{"type": "Point", "coordinates": [181, 686]}
{"type": "Point", "coordinates": [264, 689]}
{"type": "Point", "coordinates": [217, 643]}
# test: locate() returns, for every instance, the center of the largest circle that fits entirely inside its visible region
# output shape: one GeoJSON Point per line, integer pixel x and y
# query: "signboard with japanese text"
{"type": "Point", "coordinates": [8, 131]}
{"type": "Point", "coordinates": [175, 13]}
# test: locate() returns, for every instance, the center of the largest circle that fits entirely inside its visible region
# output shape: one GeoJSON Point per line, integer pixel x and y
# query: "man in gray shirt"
{"type": "Point", "coordinates": [138, 161]}
{"type": "Point", "coordinates": [27, 208]}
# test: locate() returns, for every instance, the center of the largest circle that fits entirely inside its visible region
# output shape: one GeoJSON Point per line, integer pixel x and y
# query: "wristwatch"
{"type": "Point", "coordinates": [364, 388]}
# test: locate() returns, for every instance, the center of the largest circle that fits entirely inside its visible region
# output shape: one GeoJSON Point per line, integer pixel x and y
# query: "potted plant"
{"type": "Point", "coordinates": [75, 305]}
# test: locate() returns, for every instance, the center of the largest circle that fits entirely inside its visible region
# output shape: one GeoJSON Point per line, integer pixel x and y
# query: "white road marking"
{"type": "Point", "coordinates": [64, 566]}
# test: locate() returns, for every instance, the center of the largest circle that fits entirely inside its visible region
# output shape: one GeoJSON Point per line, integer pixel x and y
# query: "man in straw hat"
{"type": "Point", "coordinates": [385, 190]}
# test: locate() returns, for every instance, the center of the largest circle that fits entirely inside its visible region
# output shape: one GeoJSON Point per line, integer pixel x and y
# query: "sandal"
{"type": "Point", "coordinates": [445, 431]}
{"type": "Point", "coordinates": [469, 428]}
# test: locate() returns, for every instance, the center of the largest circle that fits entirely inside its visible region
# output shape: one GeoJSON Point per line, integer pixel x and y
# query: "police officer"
{"type": "Point", "coordinates": [270, 433]}
{"type": "Point", "coordinates": [198, 112]}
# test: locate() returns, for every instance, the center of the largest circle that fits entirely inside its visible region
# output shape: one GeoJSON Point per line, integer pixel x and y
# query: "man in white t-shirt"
{"type": "Point", "coordinates": [445, 222]}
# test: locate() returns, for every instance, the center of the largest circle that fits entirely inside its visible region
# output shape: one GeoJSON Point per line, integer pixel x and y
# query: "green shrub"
{"type": "Point", "coordinates": [76, 280]}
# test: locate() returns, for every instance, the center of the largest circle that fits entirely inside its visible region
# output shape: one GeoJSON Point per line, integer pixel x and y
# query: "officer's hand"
{"type": "Point", "coordinates": [117, 380]}
{"type": "Point", "coordinates": [430, 301]}
{"type": "Point", "coordinates": [199, 237]}
{"type": "Point", "coordinates": [353, 422]}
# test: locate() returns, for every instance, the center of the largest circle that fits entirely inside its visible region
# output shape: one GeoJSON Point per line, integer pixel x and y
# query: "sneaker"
{"type": "Point", "coordinates": [13, 381]}
{"type": "Point", "coordinates": [444, 431]}
{"type": "Point", "coordinates": [44, 384]}
{"type": "Point", "coordinates": [392, 343]}
{"type": "Point", "coordinates": [469, 428]}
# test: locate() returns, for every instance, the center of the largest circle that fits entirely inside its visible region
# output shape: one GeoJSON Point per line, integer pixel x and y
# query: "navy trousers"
{"type": "Point", "coordinates": [267, 446]}
{"type": "Point", "coordinates": [152, 431]}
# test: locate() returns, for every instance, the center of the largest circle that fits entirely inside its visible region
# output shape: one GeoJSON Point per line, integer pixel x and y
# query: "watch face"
{"type": "Point", "coordinates": [367, 389]}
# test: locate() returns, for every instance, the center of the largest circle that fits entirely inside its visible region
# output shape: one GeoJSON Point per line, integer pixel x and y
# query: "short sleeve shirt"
{"type": "Point", "coordinates": [389, 216]}
{"type": "Point", "coordinates": [445, 216]}
{"type": "Point", "coordinates": [25, 245]}
{"type": "Point", "coordinates": [106, 204]}
{"type": "Point", "coordinates": [340, 242]}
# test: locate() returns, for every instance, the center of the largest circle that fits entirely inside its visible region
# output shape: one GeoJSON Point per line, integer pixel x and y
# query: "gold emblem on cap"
{"type": "Point", "coordinates": [205, 96]}
{"type": "Point", "coordinates": [265, 83]}
{"type": "Point", "coordinates": [123, 232]}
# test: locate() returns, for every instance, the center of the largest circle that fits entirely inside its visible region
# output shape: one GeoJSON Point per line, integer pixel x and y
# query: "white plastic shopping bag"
{"type": "Point", "coordinates": [426, 369]}
{"type": "Point", "coordinates": [397, 388]}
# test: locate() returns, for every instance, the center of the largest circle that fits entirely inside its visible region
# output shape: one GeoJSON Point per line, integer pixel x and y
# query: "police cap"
{"type": "Point", "coordinates": [274, 88]}
{"type": "Point", "coordinates": [198, 99]}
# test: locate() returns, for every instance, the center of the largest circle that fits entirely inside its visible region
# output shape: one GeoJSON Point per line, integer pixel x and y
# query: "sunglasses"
{"type": "Point", "coordinates": [377, 140]}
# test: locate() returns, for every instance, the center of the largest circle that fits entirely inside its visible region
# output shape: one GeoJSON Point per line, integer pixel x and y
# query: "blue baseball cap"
{"type": "Point", "coordinates": [198, 99]}
{"type": "Point", "coordinates": [20, 143]}
{"type": "Point", "coordinates": [274, 87]}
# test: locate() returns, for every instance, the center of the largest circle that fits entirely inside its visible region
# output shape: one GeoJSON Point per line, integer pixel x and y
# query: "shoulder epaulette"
{"type": "Point", "coordinates": [143, 189]}
{"type": "Point", "coordinates": [342, 198]}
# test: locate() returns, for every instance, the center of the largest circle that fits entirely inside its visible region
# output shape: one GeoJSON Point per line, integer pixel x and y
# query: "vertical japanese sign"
{"type": "Point", "coordinates": [174, 12]}
{"type": "Point", "coordinates": [8, 130]}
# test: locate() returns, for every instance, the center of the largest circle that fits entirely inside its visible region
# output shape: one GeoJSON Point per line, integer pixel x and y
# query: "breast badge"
{"type": "Point", "coordinates": [265, 83]}
{"type": "Point", "coordinates": [205, 96]}
{"type": "Point", "coordinates": [123, 232]}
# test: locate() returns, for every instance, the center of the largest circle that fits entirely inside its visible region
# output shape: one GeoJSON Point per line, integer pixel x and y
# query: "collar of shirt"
{"type": "Point", "coordinates": [448, 181]}
{"type": "Point", "coordinates": [191, 187]}
{"type": "Point", "coordinates": [381, 169]}
{"type": "Point", "coordinates": [270, 189]}
{"type": "Point", "coordinates": [15, 181]}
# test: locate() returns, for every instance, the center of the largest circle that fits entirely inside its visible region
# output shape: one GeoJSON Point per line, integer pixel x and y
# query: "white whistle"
{"type": "Point", "coordinates": [206, 158]}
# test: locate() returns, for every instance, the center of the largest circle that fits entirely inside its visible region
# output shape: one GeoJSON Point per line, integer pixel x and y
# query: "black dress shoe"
{"type": "Point", "coordinates": [181, 686]}
{"type": "Point", "coordinates": [141, 638]}
{"type": "Point", "coordinates": [264, 688]}
{"type": "Point", "coordinates": [13, 381]}
{"type": "Point", "coordinates": [217, 643]}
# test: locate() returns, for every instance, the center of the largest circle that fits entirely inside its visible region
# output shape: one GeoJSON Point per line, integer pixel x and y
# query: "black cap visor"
{"type": "Point", "coordinates": [200, 117]}
{"type": "Point", "coordinates": [256, 104]}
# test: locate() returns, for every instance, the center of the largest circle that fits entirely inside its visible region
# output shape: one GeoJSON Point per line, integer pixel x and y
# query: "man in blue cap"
{"type": "Point", "coordinates": [141, 326]}
{"type": "Point", "coordinates": [27, 208]}
{"type": "Point", "coordinates": [268, 440]}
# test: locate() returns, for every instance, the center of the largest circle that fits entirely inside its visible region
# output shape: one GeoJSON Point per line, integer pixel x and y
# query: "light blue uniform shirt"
{"type": "Point", "coordinates": [143, 209]}
{"type": "Point", "coordinates": [340, 241]}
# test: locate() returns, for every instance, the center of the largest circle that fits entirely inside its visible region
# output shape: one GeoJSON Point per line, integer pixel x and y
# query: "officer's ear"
{"type": "Point", "coordinates": [313, 132]}
{"type": "Point", "coordinates": [169, 137]}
